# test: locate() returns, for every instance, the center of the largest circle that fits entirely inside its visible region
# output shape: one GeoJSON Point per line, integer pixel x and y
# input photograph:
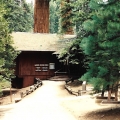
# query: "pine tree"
{"type": "Point", "coordinates": [80, 11]}
{"type": "Point", "coordinates": [19, 15]}
{"type": "Point", "coordinates": [66, 25]}
{"type": "Point", "coordinates": [101, 46]}
{"type": "Point", "coordinates": [7, 52]}
{"type": "Point", "coordinates": [54, 16]}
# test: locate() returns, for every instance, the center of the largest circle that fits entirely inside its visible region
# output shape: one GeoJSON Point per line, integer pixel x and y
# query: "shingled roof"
{"type": "Point", "coordinates": [38, 41]}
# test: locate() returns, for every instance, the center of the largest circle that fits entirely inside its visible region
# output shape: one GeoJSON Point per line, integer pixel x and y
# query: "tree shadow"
{"type": "Point", "coordinates": [104, 114]}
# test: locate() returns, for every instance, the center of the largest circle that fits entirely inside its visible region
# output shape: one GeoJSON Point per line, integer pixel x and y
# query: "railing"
{"type": "Point", "coordinates": [60, 72]}
{"type": "Point", "coordinates": [79, 92]}
{"type": "Point", "coordinates": [27, 92]}
{"type": "Point", "coordinates": [32, 88]}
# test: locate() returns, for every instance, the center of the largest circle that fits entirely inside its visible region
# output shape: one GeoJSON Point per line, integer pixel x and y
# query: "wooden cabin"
{"type": "Point", "coordinates": [36, 58]}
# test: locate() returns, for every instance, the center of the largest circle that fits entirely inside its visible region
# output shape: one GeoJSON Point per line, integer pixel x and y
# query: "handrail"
{"type": "Point", "coordinates": [59, 72]}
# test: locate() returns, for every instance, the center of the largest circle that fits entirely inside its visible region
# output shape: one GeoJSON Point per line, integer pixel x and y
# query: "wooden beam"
{"type": "Point", "coordinates": [41, 16]}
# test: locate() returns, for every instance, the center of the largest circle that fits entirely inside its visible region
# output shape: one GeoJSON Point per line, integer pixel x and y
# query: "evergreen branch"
{"type": "Point", "coordinates": [114, 37]}
{"type": "Point", "coordinates": [113, 2]}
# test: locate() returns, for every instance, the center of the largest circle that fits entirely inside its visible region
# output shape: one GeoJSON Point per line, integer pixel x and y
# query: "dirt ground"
{"type": "Point", "coordinates": [96, 111]}
{"type": "Point", "coordinates": [82, 107]}
{"type": "Point", "coordinates": [15, 93]}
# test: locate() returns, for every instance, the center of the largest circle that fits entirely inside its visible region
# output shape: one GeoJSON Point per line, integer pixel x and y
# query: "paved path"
{"type": "Point", "coordinates": [43, 104]}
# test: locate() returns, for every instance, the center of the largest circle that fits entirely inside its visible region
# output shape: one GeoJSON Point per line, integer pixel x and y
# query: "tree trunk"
{"type": "Point", "coordinates": [116, 95]}
{"type": "Point", "coordinates": [41, 16]}
{"type": "Point", "coordinates": [67, 23]}
{"type": "Point", "coordinates": [10, 95]}
{"type": "Point", "coordinates": [102, 95]}
{"type": "Point", "coordinates": [109, 94]}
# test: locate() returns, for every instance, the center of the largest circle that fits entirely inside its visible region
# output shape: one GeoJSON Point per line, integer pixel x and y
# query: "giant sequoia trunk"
{"type": "Point", "coordinates": [66, 23]}
{"type": "Point", "coordinates": [41, 16]}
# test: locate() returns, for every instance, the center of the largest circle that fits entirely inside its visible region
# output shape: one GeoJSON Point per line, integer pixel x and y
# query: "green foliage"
{"type": "Point", "coordinates": [66, 16]}
{"type": "Point", "coordinates": [79, 11]}
{"type": "Point", "coordinates": [5, 84]}
{"type": "Point", "coordinates": [54, 16]}
{"type": "Point", "coordinates": [71, 53]}
{"type": "Point", "coordinates": [101, 45]}
{"type": "Point", "coordinates": [97, 25]}
{"type": "Point", "coordinates": [1, 92]}
{"type": "Point", "coordinates": [19, 15]}
{"type": "Point", "coordinates": [7, 52]}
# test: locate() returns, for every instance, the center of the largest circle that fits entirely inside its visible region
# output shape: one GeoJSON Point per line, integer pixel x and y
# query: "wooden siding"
{"type": "Point", "coordinates": [29, 65]}
{"type": "Point", "coordinates": [28, 60]}
{"type": "Point", "coordinates": [41, 16]}
{"type": "Point", "coordinates": [28, 80]}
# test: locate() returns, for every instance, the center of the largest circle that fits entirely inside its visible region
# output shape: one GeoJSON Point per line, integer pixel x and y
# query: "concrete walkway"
{"type": "Point", "coordinates": [43, 104]}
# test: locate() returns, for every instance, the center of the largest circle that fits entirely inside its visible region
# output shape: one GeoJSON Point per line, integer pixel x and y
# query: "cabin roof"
{"type": "Point", "coordinates": [24, 41]}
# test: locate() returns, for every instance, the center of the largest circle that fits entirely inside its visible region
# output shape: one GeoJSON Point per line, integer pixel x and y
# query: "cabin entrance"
{"type": "Point", "coordinates": [17, 82]}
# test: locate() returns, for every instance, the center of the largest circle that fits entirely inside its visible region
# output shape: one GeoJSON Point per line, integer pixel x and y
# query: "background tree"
{"type": "Point", "coordinates": [66, 25]}
{"type": "Point", "coordinates": [80, 11]}
{"type": "Point", "coordinates": [54, 16]}
{"type": "Point", "coordinates": [7, 52]}
{"type": "Point", "coordinates": [19, 15]}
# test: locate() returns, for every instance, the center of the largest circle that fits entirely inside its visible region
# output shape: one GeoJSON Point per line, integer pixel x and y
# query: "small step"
{"type": "Point", "coordinates": [60, 73]}
{"type": "Point", "coordinates": [59, 78]}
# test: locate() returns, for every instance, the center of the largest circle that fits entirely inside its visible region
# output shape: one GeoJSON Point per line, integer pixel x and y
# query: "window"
{"type": "Point", "coordinates": [51, 66]}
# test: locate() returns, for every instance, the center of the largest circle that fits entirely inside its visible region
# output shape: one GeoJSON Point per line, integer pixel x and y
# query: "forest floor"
{"type": "Point", "coordinates": [6, 99]}
{"type": "Point", "coordinates": [98, 111]}
{"type": "Point", "coordinates": [82, 107]}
